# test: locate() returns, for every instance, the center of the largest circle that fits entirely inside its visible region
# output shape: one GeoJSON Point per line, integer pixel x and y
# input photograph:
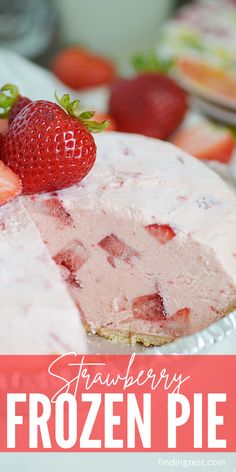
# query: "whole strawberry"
{"type": "Point", "coordinates": [49, 146]}
{"type": "Point", "coordinates": [151, 104]}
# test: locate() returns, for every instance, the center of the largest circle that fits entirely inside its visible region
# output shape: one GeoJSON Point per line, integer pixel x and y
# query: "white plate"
{"type": "Point", "coordinates": [193, 344]}
{"type": "Point", "coordinates": [214, 111]}
{"type": "Point", "coordinates": [204, 93]}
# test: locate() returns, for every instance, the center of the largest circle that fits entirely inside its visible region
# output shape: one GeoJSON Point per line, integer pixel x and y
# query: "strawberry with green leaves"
{"type": "Point", "coordinates": [49, 145]}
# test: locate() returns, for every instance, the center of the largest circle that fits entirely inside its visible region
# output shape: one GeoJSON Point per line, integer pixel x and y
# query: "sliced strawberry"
{"type": "Point", "coordinates": [163, 233]}
{"type": "Point", "coordinates": [55, 208]}
{"type": "Point", "coordinates": [149, 307]}
{"type": "Point", "coordinates": [10, 184]}
{"type": "Point", "coordinates": [117, 248]}
{"type": "Point", "coordinates": [206, 141]}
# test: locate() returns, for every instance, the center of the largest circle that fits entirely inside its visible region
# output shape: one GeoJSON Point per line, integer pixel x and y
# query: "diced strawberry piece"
{"type": "Point", "coordinates": [181, 315]}
{"type": "Point", "coordinates": [206, 142]}
{"type": "Point", "coordinates": [149, 307]}
{"type": "Point", "coordinates": [163, 233]}
{"type": "Point", "coordinates": [72, 256]}
{"type": "Point", "coordinates": [10, 184]}
{"type": "Point", "coordinates": [55, 208]}
{"type": "Point", "coordinates": [117, 248]}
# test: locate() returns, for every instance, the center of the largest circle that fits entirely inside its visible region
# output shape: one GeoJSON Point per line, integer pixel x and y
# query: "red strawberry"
{"type": "Point", "coordinates": [19, 104]}
{"type": "Point", "coordinates": [80, 68]}
{"type": "Point", "coordinates": [151, 104]}
{"type": "Point", "coordinates": [163, 233]}
{"type": "Point", "coordinates": [206, 141]}
{"type": "Point", "coordinates": [51, 148]}
{"type": "Point", "coordinates": [10, 184]}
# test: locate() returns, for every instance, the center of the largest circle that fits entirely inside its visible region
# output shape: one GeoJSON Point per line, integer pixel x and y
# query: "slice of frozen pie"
{"type": "Point", "coordinates": [37, 315]}
{"type": "Point", "coordinates": [146, 242]}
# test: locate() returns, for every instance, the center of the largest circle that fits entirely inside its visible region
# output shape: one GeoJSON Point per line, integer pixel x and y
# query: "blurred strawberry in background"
{"type": "Point", "coordinates": [206, 141]}
{"type": "Point", "coordinates": [151, 103]}
{"type": "Point", "coordinates": [79, 68]}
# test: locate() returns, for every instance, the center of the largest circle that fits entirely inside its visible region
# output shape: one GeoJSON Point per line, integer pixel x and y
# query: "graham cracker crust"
{"type": "Point", "coordinates": [128, 337]}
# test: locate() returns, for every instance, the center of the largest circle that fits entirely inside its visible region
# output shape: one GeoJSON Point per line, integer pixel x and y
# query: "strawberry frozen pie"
{"type": "Point", "coordinates": [145, 243]}
{"type": "Point", "coordinates": [129, 232]}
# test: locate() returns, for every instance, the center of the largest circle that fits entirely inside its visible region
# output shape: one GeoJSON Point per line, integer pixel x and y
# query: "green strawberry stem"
{"type": "Point", "coordinates": [8, 96]}
{"type": "Point", "coordinates": [73, 109]}
{"type": "Point", "coordinates": [151, 62]}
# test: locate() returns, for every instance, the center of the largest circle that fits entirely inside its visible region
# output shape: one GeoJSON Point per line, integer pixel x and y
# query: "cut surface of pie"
{"type": "Point", "coordinates": [145, 243]}
{"type": "Point", "coordinates": [36, 314]}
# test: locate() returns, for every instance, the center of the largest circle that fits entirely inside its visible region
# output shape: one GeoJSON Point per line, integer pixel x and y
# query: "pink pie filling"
{"type": "Point", "coordinates": [146, 242]}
